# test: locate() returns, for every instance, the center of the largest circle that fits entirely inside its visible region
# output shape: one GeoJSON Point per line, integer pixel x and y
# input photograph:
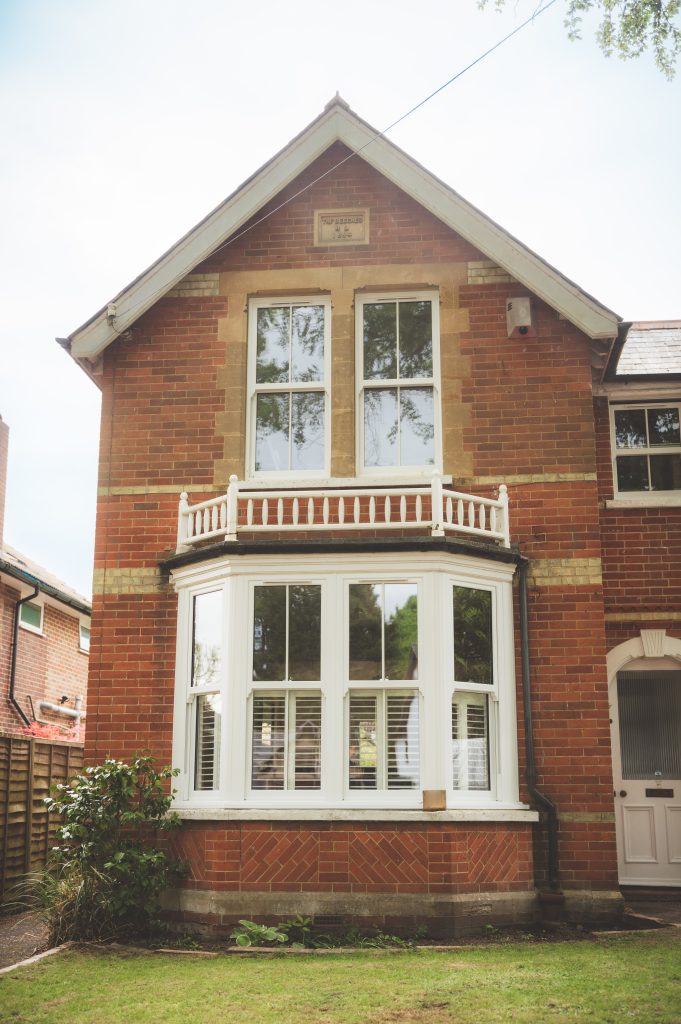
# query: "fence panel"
{"type": "Point", "coordinates": [29, 767]}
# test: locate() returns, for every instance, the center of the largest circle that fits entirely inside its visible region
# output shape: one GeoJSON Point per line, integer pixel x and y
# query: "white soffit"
{"type": "Point", "coordinates": [339, 123]}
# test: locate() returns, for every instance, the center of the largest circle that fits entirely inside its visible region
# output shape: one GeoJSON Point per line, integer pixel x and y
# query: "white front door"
{"type": "Point", "coordinates": [646, 745]}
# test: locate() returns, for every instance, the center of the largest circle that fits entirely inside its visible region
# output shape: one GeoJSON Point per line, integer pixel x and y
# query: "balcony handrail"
{"type": "Point", "coordinates": [365, 506]}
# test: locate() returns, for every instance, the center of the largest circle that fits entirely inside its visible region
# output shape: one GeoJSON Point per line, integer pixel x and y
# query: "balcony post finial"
{"type": "Point", "coordinates": [232, 507]}
{"type": "Point", "coordinates": [436, 506]}
{"type": "Point", "coordinates": [182, 522]}
{"type": "Point", "coordinates": [503, 501]}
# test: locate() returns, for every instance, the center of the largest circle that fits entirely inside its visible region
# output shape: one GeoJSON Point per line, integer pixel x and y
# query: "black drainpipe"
{"type": "Point", "coordinates": [13, 667]}
{"type": "Point", "coordinates": [531, 768]}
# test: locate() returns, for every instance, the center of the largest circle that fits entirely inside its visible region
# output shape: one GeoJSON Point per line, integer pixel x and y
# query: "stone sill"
{"type": "Point", "coordinates": [656, 502]}
{"type": "Point", "coordinates": [364, 814]}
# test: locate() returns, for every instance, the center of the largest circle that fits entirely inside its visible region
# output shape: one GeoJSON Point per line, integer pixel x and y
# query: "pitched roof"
{"type": "Point", "coordinates": [19, 565]}
{"type": "Point", "coordinates": [336, 123]}
{"type": "Point", "coordinates": [652, 349]}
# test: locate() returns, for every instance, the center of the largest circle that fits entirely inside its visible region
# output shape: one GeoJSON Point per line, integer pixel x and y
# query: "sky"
{"type": "Point", "coordinates": [123, 122]}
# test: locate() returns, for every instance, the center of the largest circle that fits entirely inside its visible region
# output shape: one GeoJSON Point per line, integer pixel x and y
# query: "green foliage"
{"type": "Point", "coordinates": [104, 879]}
{"type": "Point", "coordinates": [251, 934]}
{"type": "Point", "coordinates": [628, 27]}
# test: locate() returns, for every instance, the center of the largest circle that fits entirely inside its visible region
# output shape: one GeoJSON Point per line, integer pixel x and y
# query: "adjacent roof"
{"type": "Point", "coordinates": [652, 349]}
{"type": "Point", "coordinates": [21, 567]}
{"type": "Point", "coordinates": [338, 123]}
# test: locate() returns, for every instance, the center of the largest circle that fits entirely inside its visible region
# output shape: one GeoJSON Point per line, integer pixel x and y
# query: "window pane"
{"type": "Point", "coordinates": [269, 742]}
{"type": "Point", "coordinates": [272, 345]}
{"type": "Point", "coordinates": [650, 724]}
{"type": "Point", "coordinates": [362, 751]}
{"type": "Point", "coordinates": [307, 711]}
{"type": "Point", "coordinates": [307, 343]}
{"type": "Point", "coordinates": [380, 427]}
{"type": "Point", "coordinates": [401, 638]}
{"type": "Point", "coordinates": [472, 635]}
{"type": "Point", "coordinates": [470, 742]}
{"type": "Point", "coordinates": [307, 428]}
{"type": "Point", "coordinates": [663, 426]}
{"type": "Point", "coordinates": [305, 616]}
{"type": "Point", "coordinates": [630, 428]}
{"type": "Point", "coordinates": [416, 339]}
{"type": "Point", "coordinates": [84, 638]}
{"type": "Point", "coordinates": [402, 726]}
{"type": "Point", "coordinates": [632, 472]}
{"type": "Point", "coordinates": [208, 720]}
{"type": "Point", "coordinates": [31, 615]}
{"type": "Point", "coordinates": [207, 639]}
{"type": "Point", "coordinates": [269, 634]}
{"type": "Point", "coordinates": [665, 472]}
{"type": "Point", "coordinates": [365, 631]}
{"type": "Point", "coordinates": [380, 341]}
{"type": "Point", "coordinates": [271, 432]}
{"type": "Point", "coordinates": [417, 427]}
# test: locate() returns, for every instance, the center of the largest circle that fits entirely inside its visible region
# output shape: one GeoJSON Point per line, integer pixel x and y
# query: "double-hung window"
{"type": "Point", "coordinates": [646, 445]}
{"type": "Point", "coordinates": [289, 365]}
{"type": "Point", "coordinates": [397, 377]}
{"type": "Point", "coordinates": [474, 688]}
{"type": "Point", "coordinates": [206, 687]}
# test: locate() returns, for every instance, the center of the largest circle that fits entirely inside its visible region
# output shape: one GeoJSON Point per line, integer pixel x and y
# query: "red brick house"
{"type": "Point", "coordinates": [375, 637]}
{"type": "Point", "coordinates": [44, 639]}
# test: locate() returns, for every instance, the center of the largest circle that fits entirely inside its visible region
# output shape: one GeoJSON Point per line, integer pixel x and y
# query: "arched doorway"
{"type": "Point", "coordinates": [644, 677]}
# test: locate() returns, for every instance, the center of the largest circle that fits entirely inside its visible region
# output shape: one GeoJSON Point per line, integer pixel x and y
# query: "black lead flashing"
{"type": "Point", "coordinates": [345, 547]}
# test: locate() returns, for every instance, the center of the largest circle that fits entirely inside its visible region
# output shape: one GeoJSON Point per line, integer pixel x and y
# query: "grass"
{"type": "Point", "coordinates": [624, 978]}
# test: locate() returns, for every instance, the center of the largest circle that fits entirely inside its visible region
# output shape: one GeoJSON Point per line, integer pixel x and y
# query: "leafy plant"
{"type": "Point", "coordinates": [104, 879]}
{"type": "Point", "coordinates": [251, 934]}
{"type": "Point", "coordinates": [298, 931]}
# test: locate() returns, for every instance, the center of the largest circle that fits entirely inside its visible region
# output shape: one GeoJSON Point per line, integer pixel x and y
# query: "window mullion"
{"type": "Point", "coordinates": [289, 743]}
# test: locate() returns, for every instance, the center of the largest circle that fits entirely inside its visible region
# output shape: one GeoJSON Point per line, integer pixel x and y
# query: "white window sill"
{"type": "Point", "coordinates": [31, 629]}
{"type": "Point", "coordinates": [364, 480]}
{"type": "Point", "coordinates": [646, 501]}
{"type": "Point", "coordinates": [372, 814]}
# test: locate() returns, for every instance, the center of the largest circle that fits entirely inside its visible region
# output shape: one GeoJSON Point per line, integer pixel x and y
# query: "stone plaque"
{"type": "Point", "coordinates": [341, 227]}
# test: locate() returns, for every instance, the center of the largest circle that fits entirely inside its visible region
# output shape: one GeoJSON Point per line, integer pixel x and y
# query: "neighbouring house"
{"type": "Point", "coordinates": [377, 635]}
{"type": "Point", "coordinates": [44, 640]}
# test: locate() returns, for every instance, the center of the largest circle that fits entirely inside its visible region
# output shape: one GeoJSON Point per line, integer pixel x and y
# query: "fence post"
{"type": "Point", "coordinates": [28, 817]}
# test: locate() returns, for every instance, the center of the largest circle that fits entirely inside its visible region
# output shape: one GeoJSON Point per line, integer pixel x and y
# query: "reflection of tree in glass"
{"type": "Point", "coordinates": [663, 426]}
{"type": "Point", "coordinates": [380, 341]}
{"type": "Point", "coordinates": [270, 642]}
{"type": "Point", "coordinates": [630, 429]}
{"type": "Point", "coordinates": [366, 616]}
{"type": "Point", "coordinates": [272, 345]}
{"type": "Point", "coordinates": [308, 343]}
{"type": "Point", "coordinates": [206, 664]}
{"type": "Point", "coordinates": [409, 410]}
{"type": "Point", "coordinates": [401, 636]}
{"type": "Point", "coordinates": [472, 635]}
{"type": "Point", "coordinates": [307, 430]}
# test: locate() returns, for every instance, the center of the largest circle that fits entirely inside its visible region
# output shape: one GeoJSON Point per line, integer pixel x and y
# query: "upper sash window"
{"type": "Point", "coordinates": [646, 443]}
{"type": "Point", "coordinates": [289, 362]}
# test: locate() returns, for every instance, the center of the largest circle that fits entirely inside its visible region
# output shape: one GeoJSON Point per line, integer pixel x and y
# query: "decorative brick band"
{"type": "Point", "coordinates": [105, 492]}
{"type": "Point", "coordinates": [570, 572]}
{"type": "Point", "coordinates": [142, 580]}
{"type": "Point", "coordinates": [525, 478]}
{"type": "Point", "coordinates": [581, 816]}
{"type": "Point", "coordinates": [195, 286]}
{"type": "Point", "coordinates": [643, 616]}
{"type": "Point", "coordinates": [487, 272]}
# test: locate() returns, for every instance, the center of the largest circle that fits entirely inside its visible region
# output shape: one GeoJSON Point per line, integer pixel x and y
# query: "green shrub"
{"type": "Point", "coordinates": [103, 879]}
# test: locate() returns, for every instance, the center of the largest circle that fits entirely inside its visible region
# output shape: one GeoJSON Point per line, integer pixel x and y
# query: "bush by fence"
{"type": "Point", "coordinates": [29, 767]}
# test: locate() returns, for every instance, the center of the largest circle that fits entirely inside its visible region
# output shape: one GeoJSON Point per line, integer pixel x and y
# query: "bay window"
{"type": "Point", "coordinates": [348, 685]}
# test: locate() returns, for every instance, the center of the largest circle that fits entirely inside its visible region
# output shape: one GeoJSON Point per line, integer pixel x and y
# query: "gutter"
{"type": "Point", "coordinates": [13, 666]}
{"type": "Point", "coordinates": [9, 569]}
{"type": "Point", "coordinates": [531, 769]}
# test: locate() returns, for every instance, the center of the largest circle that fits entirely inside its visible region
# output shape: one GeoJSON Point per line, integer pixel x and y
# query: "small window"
{"type": "Point", "coordinates": [397, 360]}
{"type": "Point", "coordinates": [646, 441]}
{"type": "Point", "coordinates": [31, 617]}
{"type": "Point", "coordinates": [85, 638]}
{"type": "Point", "coordinates": [289, 344]}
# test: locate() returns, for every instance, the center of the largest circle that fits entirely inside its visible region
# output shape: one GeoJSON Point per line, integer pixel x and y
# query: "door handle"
{"type": "Point", "coordinates": [623, 792]}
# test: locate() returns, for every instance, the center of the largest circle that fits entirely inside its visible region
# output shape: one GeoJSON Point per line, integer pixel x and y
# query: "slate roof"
{"type": "Point", "coordinates": [652, 348]}
{"type": "Point", "coordinates": [10, 559]}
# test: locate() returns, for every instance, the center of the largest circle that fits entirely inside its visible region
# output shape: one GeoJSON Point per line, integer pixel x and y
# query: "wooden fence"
{"type": "Point", "coordinates": [28, 770]}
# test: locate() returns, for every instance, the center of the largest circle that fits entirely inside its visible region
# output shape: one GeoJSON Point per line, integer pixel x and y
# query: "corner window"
{"type": "Point", "coordinates": [206, 686]}
{"type": "Point", "coordinates": [289, 364]}
{"type": "Point", "coordinates": [84, 638]}
{"type": "Point", "coordinates": [397, 374]}
{"type": "Point", "coordinates": [646, 446]}
{"type": "Point", "coordinates": [31, 617]}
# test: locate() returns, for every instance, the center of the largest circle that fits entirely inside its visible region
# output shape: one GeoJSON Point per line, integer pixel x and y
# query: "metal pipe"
{"type": "Point", "coordinates": [13, 665]}
{"type": "Point", "coordinates": [531, 768]}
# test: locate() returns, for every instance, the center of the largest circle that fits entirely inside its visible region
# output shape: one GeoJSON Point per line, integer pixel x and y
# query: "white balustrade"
{"type": "Point", "coordinates": [436, 508]}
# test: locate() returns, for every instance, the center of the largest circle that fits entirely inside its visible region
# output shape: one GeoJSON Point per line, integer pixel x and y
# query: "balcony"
{"type": "Point", "coordinates": [434, 509]}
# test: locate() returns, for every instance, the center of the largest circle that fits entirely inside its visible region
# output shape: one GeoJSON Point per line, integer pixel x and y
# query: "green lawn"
{"type": "Point", "coordinates": [602, 981]}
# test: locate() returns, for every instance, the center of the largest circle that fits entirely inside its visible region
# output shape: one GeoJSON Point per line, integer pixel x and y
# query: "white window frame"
{"type": "Point", "coordinates": [37, 630]}
{"type": "Point", "coordinates": [81, 627]}
{"type": "Point", "coordinates": [434, 574]}
{"type": "Point", "coordinates": [254, 389]}
{"type": "Point", "coordinates": [425, 471]}
{"type": "Point", "coordinates": [671, 497]}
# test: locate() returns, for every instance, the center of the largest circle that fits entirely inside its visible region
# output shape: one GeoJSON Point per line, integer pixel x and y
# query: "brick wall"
{"type": "Point", "coordinates": [517, 411]}
{"type": "Point", "coordinates": [47, 666]}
